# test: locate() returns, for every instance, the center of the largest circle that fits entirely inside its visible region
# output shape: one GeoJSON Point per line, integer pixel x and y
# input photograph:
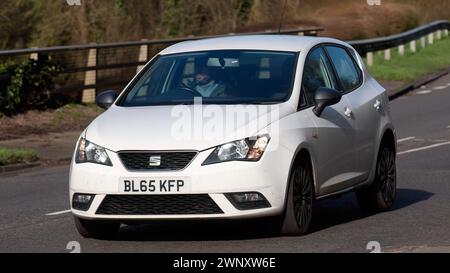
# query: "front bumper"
{"type": "Point", "coordinates": [267, 177]}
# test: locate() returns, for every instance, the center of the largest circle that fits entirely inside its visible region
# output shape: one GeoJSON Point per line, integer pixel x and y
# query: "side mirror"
{"type": "Point", "coordinates": [325, 97]}
{"type": "Point", "coordinates": [106, 99]}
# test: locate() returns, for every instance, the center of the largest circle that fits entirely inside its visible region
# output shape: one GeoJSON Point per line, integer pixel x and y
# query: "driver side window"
{"type": "Point", "coordinates": [149, 84]}
{"type": "Point", "coordinates": [316, 73]}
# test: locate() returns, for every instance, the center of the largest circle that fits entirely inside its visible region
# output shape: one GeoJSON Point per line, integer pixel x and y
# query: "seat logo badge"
{"type": "Point", "coordinates": [155, 160]}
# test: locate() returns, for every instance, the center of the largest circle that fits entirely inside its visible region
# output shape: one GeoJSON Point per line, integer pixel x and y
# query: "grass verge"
{"type": "Point", "coordinates": [74, 113]}
{"type": "Point", "coordinates": [71, 117]}
{"type": "Point", "coordinates": [10, 156]}
{"type": "Point", "coordinates": [431, 59]}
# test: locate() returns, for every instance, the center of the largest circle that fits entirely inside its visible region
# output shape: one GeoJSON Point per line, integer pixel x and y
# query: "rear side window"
{"type": "Point", "coordinates": [346, 70]}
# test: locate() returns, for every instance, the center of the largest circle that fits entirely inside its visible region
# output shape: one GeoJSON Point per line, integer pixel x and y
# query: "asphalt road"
{"type": "Point", "coordinates": [419, 222]}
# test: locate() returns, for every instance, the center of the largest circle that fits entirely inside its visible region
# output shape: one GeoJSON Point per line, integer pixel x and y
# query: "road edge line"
{"type": "Point", "coordinates": [58, 212]}
{"type": "Point", "coordinates": [416, 84]}
{"type": "Point", "coordinates": [424, 148]}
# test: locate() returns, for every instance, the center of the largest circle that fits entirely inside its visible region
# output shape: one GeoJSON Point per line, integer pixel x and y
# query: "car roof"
{"type": "Point", "coordinates": [251, 42]}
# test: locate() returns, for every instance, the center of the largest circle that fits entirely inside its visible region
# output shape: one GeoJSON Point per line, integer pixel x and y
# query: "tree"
{"type": "Point", "coordinates": [18, 19]}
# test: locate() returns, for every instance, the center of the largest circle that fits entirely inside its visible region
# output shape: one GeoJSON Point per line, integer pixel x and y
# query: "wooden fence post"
{"type": "Point", "coordinates": [90, 77]}
{"type": "Point", "coordinates": [431, 38]}
{"type": "Point", "coordinates": [143, 55]}
{"type": "Point", "coordinates": [412, 46]}
{"type": "Point", "coordinates": [387, 54]}
{"type": "Point", "coordinates": [34, 55]}
{"type": "Point", "coordinates": [369, 58]}
{"type": "Point", "coordinates": [401, 50]}
{"type": "Point", "coordinates": [423, 42]}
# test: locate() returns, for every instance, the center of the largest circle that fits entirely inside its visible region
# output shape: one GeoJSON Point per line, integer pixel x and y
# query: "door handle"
{"type": "Point", "coordinates": [348, 112]}
{"type": "Point", "coordinates": [377, 105]}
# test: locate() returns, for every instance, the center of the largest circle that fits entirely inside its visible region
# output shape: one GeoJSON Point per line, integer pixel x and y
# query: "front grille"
{"type": "Point", "coordinates": [175, 204]}
{"type": "Point", "coordinates": [169, 161]}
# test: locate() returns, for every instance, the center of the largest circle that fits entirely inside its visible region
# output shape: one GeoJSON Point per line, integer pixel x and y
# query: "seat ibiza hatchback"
{"type": "Point", "coordinates": [236, 127]}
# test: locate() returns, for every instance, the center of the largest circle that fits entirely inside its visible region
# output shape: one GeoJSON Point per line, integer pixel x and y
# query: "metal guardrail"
{"type": "Point", "coordinates": [368, 46]}
{"type": "Point", "coordinates": [110, 66]}
{"type": "Point", "coordinates": [375, 44]}
{"type": "Point", "coordinates": [312, 31]}
{"type": "Point", "coordinates": [93, 67]}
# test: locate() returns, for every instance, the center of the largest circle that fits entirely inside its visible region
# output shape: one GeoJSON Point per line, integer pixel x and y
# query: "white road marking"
{"type": "Point", "coordinates": [440, 87]}
{"type": "Point", "coordinates": [58, 212]}
{"type": "Point", "coordinates": [422, 92]}
{"type": "Point", "coordinates": [405, 139]}
{"type": "Point", "coordinates": [424, 148]}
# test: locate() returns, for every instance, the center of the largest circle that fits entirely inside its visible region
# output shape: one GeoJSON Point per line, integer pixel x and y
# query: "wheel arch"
{"type": "Point", "coordinates": [302, 151]}
{"type": "Point", "coordinates": [388, 138]}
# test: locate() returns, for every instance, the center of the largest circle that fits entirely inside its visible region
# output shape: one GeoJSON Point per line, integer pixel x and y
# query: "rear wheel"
{"type": "Point", "coordinates": [380, 195]}
{"type": "Point", "coordinates": [96, 229]}
{"type": "Point", "coordinates": [298, 212]}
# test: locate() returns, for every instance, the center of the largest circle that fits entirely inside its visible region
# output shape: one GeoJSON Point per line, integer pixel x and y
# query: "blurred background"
{"type": "Point", "coordinates": [57, 55]}
{"type": "Point", "coordinates": [41, 23]}
{"type": "Point", "coordinates": [51, 90]}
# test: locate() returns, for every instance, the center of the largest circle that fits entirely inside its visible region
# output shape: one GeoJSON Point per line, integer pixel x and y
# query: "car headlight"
{"type": "Point", "coordinates": [249, 149]}
{"type": "Point", "coordinates": [90, 152]}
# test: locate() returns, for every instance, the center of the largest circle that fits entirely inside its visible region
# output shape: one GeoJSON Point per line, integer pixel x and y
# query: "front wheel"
{"type": "Point", "coordinates": [380, 195]}
{"type": "Point", "coordinates": [96, 229]}
{"type": "Point", "coordinates": [298, 212]}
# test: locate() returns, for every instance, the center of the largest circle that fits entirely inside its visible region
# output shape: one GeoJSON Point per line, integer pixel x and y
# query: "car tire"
{"type": "Point", "coordinates": [380, 195]}
{"type": "Point", "coordinates": [96, 229]}
{"type": "Point", "coordinates": [298, 212]}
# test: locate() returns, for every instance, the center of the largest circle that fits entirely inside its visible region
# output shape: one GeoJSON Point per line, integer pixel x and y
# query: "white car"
{"type": "Point", "coordinates": [236, 127]}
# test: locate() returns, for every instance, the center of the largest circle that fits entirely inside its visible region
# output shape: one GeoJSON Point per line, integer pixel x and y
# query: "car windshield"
{"type": "Point", "coordinates": [219, 77]}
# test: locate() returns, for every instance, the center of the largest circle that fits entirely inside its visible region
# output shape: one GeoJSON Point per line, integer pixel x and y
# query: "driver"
{"type": "Point", "coordinates": [206, 86]}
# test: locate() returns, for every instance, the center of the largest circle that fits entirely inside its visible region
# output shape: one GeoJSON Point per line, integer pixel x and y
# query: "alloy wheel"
{"type": "Point", "coordinates": [302, 196]}
{"type": "Point", "coordinates": [387, 176]}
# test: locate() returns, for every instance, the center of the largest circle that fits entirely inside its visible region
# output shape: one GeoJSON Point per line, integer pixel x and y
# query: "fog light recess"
{"type": "Point", "coordinates": [248, 200]}
{"type": "Point", "coordinates": [81, 201]}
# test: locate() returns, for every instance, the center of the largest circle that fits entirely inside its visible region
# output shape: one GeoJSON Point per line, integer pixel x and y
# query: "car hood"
{"type": "Point", "coordinates": [185, 127]}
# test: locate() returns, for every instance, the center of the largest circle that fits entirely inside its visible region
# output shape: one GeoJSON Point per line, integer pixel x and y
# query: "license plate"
{"type": "Point", "coordinates": [154, 185]}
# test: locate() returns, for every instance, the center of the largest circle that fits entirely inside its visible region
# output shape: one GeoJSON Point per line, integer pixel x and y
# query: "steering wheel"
{"type": "Point", "coordinates": [182, 91]}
